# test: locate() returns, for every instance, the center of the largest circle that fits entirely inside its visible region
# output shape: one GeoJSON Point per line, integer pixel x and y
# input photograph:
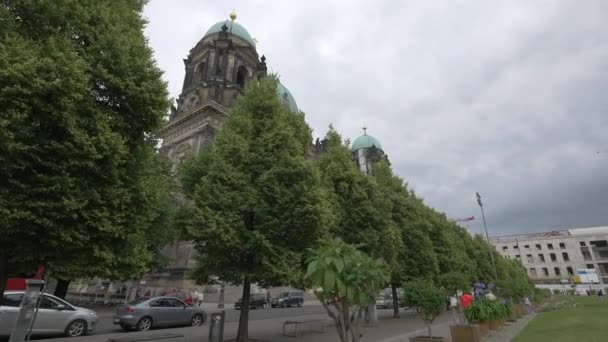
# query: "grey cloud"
{"type": "Point", "coordinates": [502, 97]}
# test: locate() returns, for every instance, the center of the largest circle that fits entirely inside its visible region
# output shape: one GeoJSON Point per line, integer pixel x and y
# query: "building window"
{"type": "Point", "coordinates": [505, 248]}
{"type": "Point", "coordinates": [557, 271]}
{"type": "Point", "coordinates": [533, 272]}
{"type": "Point", "coordinates": [553, 257]}
{"type": "Point", "coordinates": [562, 245]}
{"type": "Point", "coordinates": [586, 255]}
{"type": "Point", "coordinates": [550, 245]}
{"type": "Point", "coordinates": [545, 272]}
{"type": "Point", "coordinates": [590, 266]}
{"type": "Point", "coordinates": [541, 258]}
{"type": "Point", "coordinates": [516, 247]}
{"type": "Point", "coordinates": [530, 258]}
{"type": "Point", "coordinates": [241, 76]}
{"type": "Point", "coordinates": [527, 247]}
{"type": "Point", "coordinates": [538, 247]}
{"type": "Point", "coordinates": [583, 243]}
{"type": "Point", "coordinates": [518, 257]}
{"type": "Point", "coordinates": [570, 271]}
{"type": "Point", "coordinates": [565, 256]}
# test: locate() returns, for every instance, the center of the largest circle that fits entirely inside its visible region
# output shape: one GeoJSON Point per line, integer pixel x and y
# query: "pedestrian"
{"type": "Point", "coordinates": [447, 302]}
{"type": "Point", "coordinates": [268, 298]}
{"type": "Point", "coordinates": [528, 305]}
{"type": "Point", "coordinates": [600, 294]}
{"type": "Point", "coordinates": [454, 308]}
{"type": "Point", "coordinates": [199, 298]}
{"type": "Point", "coordinates": [465, 301]}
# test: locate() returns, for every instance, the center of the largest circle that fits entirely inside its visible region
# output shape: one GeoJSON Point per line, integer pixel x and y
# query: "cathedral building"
{"type": "Point", "coordinates": [217, 70]}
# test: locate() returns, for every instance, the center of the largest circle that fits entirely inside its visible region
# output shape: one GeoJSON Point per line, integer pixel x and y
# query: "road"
{"type": "Point", "coordinates": [105, 324]}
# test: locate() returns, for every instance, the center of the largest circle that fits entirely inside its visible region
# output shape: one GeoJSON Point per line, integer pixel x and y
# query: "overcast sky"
{"type": "Point", "coordinates": [508, 98]}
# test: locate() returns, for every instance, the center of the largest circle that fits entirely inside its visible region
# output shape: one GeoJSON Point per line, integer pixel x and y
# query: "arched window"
{"type": "Point", "coordinates": [241, 76]}
{"type": "Point", "coordinates": [201, 72]}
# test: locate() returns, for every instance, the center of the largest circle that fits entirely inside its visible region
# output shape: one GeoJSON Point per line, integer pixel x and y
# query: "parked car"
{"type": "Point", "coordinates": [257, 300]}
{"type": "Point", "coordinates": [288, 299]}
{"type": "Point", "coordinates": [143, 314]}
{"type": "Point", "coordinates": [185, 297]}
{"type": "Point", "coordinates": [384, 302]}
{"type": "Point", "coordinates": [55, 316]}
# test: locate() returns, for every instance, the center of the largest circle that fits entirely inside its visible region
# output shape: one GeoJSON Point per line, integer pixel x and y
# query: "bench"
{"type": "Point", "coordinates": [313, 325]}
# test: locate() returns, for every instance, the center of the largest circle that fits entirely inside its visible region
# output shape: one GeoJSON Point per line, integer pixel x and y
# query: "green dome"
{"type": "Point", "coordinates": [286, 98]}
{"type": "Point", "coordinates": [236, 30]}
{"type": "Point", "coordinates": [365, 141]}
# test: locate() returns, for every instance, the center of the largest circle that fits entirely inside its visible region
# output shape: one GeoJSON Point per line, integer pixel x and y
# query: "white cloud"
{"type": "Point", "coordinates": [502, 97]}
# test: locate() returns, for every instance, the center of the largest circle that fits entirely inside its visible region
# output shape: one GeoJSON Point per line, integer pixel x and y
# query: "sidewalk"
{"type": "Point", "coordinates": [386, 329]}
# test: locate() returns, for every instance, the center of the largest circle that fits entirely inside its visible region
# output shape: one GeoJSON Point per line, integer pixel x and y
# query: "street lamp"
{"type": "Point", "coordinates": [485, 227]}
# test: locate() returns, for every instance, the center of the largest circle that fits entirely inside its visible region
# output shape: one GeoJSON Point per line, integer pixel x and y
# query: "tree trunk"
{"type": "Point", "coordinates": [3, 274]}
{"type": "Point", "coordinates": [428, 326]}
{"type": "Point", "coordinates": [395, 301]}
{"type": "Point", "coordinates": [243, 332]}
{"type": "Point", "coordinates": [61, 290]}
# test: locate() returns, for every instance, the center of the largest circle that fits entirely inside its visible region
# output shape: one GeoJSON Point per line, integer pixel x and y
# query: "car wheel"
{"type": "Point", "coordinates": [125, 327]}
{"type": "Point", "coordinates": [299, 304]}
{"type": "Point", "coordinates": [197, 320]}
{"type": "Point", "coordinates": [76, 328]}
{"type": "Point", "coordinates": [144, 324]}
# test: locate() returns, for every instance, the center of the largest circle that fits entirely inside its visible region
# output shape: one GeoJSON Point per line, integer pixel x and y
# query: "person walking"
{"type": "Point", "coordinates": [528, 305]}
{"type": "Point", "coordinates": [200, 297]}
{"type": "Point", "coordinates": [465, 301]}
{"type": "Point", "coordinates": [454, 307]}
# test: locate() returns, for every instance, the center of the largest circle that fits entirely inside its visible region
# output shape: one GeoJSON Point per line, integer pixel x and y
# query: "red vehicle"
{"type": "Point", "coordinates": [18, 284]}
{"type": "Point", "coordinates": [184, 296]}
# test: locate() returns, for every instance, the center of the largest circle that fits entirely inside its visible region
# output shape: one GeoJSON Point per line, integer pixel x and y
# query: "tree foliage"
{"type": "Point", "coordinates": [258, 204]}
{"type": "Point", "coordinates": [345, 280]}
{"type": "Point", "coordinates": [427, 298]}
{"type": "Point", "coordinates": [80, 100]}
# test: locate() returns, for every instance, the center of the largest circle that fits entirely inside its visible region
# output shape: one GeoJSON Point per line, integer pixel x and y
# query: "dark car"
{"type": "Point", "coordinates": [288, 299]}
{"type": "Point", "coordinates": [257, 300]}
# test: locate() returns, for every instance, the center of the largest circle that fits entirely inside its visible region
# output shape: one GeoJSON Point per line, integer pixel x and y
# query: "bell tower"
{"type": "Point", "coordinates": [217, 71]}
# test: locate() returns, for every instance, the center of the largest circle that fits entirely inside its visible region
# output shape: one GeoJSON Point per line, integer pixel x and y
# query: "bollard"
{"type": "Point", "coordinates": [216, 329]}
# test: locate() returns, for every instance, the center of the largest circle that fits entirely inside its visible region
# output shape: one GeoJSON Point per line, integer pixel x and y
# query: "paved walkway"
{"type": "Point", "coordinates": [386, 329]}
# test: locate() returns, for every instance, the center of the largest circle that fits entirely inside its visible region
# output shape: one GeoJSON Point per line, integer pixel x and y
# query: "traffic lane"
{"type": "Point", "coordinates": [105, 323]}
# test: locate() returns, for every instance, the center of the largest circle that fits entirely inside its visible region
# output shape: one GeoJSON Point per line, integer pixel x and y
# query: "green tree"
{"type": "Point", "coordinates": [363, 210]}
{"type": "Point", "coordinates": [453, 282]}
{"type": "Point", "coordinates": [80, 99]}
{"type": "Point", "coordinates": [344, 279]}
{"type": "Point", "coordinates": [428, 298]}
{"type": "Point", "coordinates": [259, 204]}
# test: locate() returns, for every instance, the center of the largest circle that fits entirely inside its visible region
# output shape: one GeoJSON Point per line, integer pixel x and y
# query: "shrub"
{"type": "Point", "coordinates": [479, 311]}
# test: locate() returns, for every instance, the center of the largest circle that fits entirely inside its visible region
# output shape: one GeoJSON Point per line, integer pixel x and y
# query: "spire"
{"type": "Point", "coordinates": [364, 129]}
{"type": "Point", "coordinates": [232, 19]}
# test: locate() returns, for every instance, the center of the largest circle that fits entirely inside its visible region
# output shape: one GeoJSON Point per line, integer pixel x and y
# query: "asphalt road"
{"type": "Point", "coordinates": [105, 323]}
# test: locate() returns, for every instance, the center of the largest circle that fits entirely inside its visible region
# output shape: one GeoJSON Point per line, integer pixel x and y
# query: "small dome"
{"type": "Point", "coordinates": [234, 27]}
{"type": "Point", "coordinates": [365, 141]}
{"type": "Point", "coordinates": [286, 98]}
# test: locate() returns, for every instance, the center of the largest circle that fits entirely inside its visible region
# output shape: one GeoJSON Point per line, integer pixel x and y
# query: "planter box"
{"type": "Point", "coordinates": [494, 325]}
{"type": "Point", "coordinates": [484, 328]}
{"type": "Point", "coordinates": [429, 339]}
{"type": "Point", "coordinates": [466, 333]}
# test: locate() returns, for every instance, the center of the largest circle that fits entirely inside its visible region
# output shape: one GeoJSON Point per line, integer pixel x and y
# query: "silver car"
{"type": "Point", "coordinates": [143, 314]}
{"type": "Point", "coordinates": [55, 316]}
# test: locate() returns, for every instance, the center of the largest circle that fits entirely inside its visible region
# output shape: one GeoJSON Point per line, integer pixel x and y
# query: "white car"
{"type": "Point", "coordinates": [55, 316]}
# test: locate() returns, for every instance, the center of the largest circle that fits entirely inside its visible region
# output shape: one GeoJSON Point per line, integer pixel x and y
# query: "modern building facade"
{"type": "Point", "coordinates": [554, 257]}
